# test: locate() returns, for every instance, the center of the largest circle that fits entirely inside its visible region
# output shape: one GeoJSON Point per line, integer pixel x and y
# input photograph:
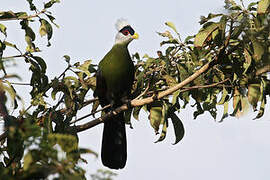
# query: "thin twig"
{"type": "Point", "coordinates": [11, 57]}
{"type": "Point", "coordinates": [15, 83]}
{"type": "Point", "coordinates": [204, 86]}
{"type": "Point", "coordinates": [144, 92]}
{"type": "Point", "coordinates": [87, 102]}
{"type": "Point", "coordinates": [64, 72]}
{"type": "Point", "coordinates": [91, 114]}
{"type": "Point", "coordinates": [24, 17]}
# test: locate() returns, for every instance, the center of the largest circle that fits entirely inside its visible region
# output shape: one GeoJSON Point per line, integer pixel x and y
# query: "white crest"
{"type": "Point", "coordinates": [120, 23]}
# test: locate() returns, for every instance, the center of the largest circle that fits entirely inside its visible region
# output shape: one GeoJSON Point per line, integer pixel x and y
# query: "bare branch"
{"type": "Point", "coordinates": [91, 114]}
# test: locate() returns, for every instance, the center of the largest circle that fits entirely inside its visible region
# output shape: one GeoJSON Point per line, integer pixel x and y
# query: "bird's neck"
{"type": "Point", "coordinates": [120, 45]}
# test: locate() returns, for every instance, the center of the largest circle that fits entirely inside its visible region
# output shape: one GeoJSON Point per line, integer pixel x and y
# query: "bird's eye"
{"type": "Point", "coordinates": [125, 32]}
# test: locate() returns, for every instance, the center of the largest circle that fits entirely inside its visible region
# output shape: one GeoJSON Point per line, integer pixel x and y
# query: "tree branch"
{"type": "Point", "coordinates": [136, 102]}
{"type": "Point", "coordinates": [24, 17]}
{"type": "Point", "coordinates": [263, 70]}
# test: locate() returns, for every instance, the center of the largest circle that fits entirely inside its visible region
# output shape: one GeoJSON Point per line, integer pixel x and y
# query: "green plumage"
{"type": "Point", "coordinates": [115, 77]}
{"type": "Point", "coordinates": [117, 69]}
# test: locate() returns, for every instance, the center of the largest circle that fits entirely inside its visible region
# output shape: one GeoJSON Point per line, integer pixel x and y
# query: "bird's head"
{"type": "Point", "coordinates": [125, 32]}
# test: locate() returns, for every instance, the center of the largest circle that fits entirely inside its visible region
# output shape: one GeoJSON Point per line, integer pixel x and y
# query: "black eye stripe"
{"type": "Point", "coordinates": [129, 29]}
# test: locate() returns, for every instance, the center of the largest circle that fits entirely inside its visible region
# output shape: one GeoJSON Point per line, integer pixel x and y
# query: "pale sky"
{"type": "Point", "coordinates": [234, 149]}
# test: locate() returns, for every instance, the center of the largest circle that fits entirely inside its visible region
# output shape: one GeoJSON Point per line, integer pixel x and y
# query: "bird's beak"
{"type": "Point", "coordinates": [135, 36]}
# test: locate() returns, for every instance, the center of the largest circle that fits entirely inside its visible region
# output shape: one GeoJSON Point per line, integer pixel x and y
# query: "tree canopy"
{"type": "Point", "coordinates": [225, 64]}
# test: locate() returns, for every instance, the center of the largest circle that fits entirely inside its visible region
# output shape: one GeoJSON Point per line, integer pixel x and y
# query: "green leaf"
{"type": "Point", "coordinates": [248, 61]}
{"type": "Point", "coordinates": [188, 38]}
{"type": "Point", "coordinates": [224, 97]}
{"type": "Point", "coordinates": [41, 63]}
{"type": "Point", "coordinates": [10, 90]}
{"type": "Point", "coordinates": [254, 94]}
{"type": "Point", "coordinates": [46, 28]}
{"type": "Point", "coordinates": [21, 14]}
{"type": "Point", "coordinates": [156, 115]}
{"type": "Point", "coordinates": [50, 3]}
{"type": "Point", "coordinates": [67, 58]}
{"type": "Point", "coordinates": [163, 132]}
{"type": "Point", "coordinates": [175, 97]}
{"type": "Point", "coordinates": [7, 15]}
{"type": "Point", "coordinates": [87, 151]}
{"type": "Point", "coordinates": [263, 6]}
{"type": "Point", "coordinates": [38, 100]}
{"type": "Point", "coordinates": [170, 80]}
{"type": "Point", "coordinates": [85, 67]}
{"type": "Point", "coordinates": [210, 16]}
{"type": "Point", "coordinates": [29, 32]}
{"type": "Point", "coordinates": [10, 44]}
{"type": "Point", "coordinates": [204, 33]}
{"type": "Point", "coordinates": [52, 20]}
{"type": "Point", "coordinates": [178, 126]}
{"type": "Point", "coordinates": [94, 106]}
{"type": "Point", "coordinates": [67, 142]}
{"type": "Point", "coordinates": [72, 79]}
{"type": "Point", "coordinates": [3, 29]}
{"type": "Point", "coordinates": [165, 34]}
{"type": "Point", "coordinates": [225, 111]}
{"type": "Point", "coordinates": [127, 117]}
{"type": "Point", "coordinates": [258, 49]}
{"type": "Point", "coordinates": [251, 6]}
{"type": "Point", "coordinates": [236, 102]}
{"type": "Point", "coordinates": [136, 112]}
{"type": "Point", "coordinates": [261, 111]}
{"type": "Point", "coordinates": [172, 26]}
{"type": "Point", "coordinates": [32, 6]}
{"type": "Point", "coordinates": [27, 160]}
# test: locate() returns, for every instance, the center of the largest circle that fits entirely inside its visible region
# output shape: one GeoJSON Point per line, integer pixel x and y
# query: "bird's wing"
{"type": "Point", "coordinates": [101, 89]}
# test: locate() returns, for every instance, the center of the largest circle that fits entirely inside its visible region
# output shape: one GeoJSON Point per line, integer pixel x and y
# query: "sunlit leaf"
{"type": "Point", "coordinates": [254, 94]}
{"type": "Point", "coordinates": [50, 3]}
{"type": "Point", "coordinates": [136, 111]}
{"type": "Point", "coordinates": [210, 16]}
{"type": "Point", "coordinates": [3, 29]}
{"type": "Point", "coordinates": [203, 34]}
{"type": "Point", "coordinates": [67, 142]}
{"type": "Point", "coordinates": [258, 49]}
{"type": "Point", "coordinates": [85, 67]}
{"type": "Point", "coordinates": [27, 160]}
{"type": "Point", "coordinates": [263, 6]}
{"type": "Point", "coordinates": [172, 26]}
{"type": "Point", "coordinates": [224, 97]}
{"type": "Point", "coordinates": [225, 111]}
{"type": "Point", "coordinates": [67, 58]}
{"type": "Point", "coordinates": [156, 115]}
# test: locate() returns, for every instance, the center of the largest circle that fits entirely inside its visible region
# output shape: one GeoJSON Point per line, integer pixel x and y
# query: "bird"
{"type": "Point", "coordinates": [114, 80]}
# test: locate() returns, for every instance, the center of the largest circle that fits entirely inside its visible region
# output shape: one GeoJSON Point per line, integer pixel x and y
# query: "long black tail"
{"type": "Point", "coordinates": [114, 143]}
